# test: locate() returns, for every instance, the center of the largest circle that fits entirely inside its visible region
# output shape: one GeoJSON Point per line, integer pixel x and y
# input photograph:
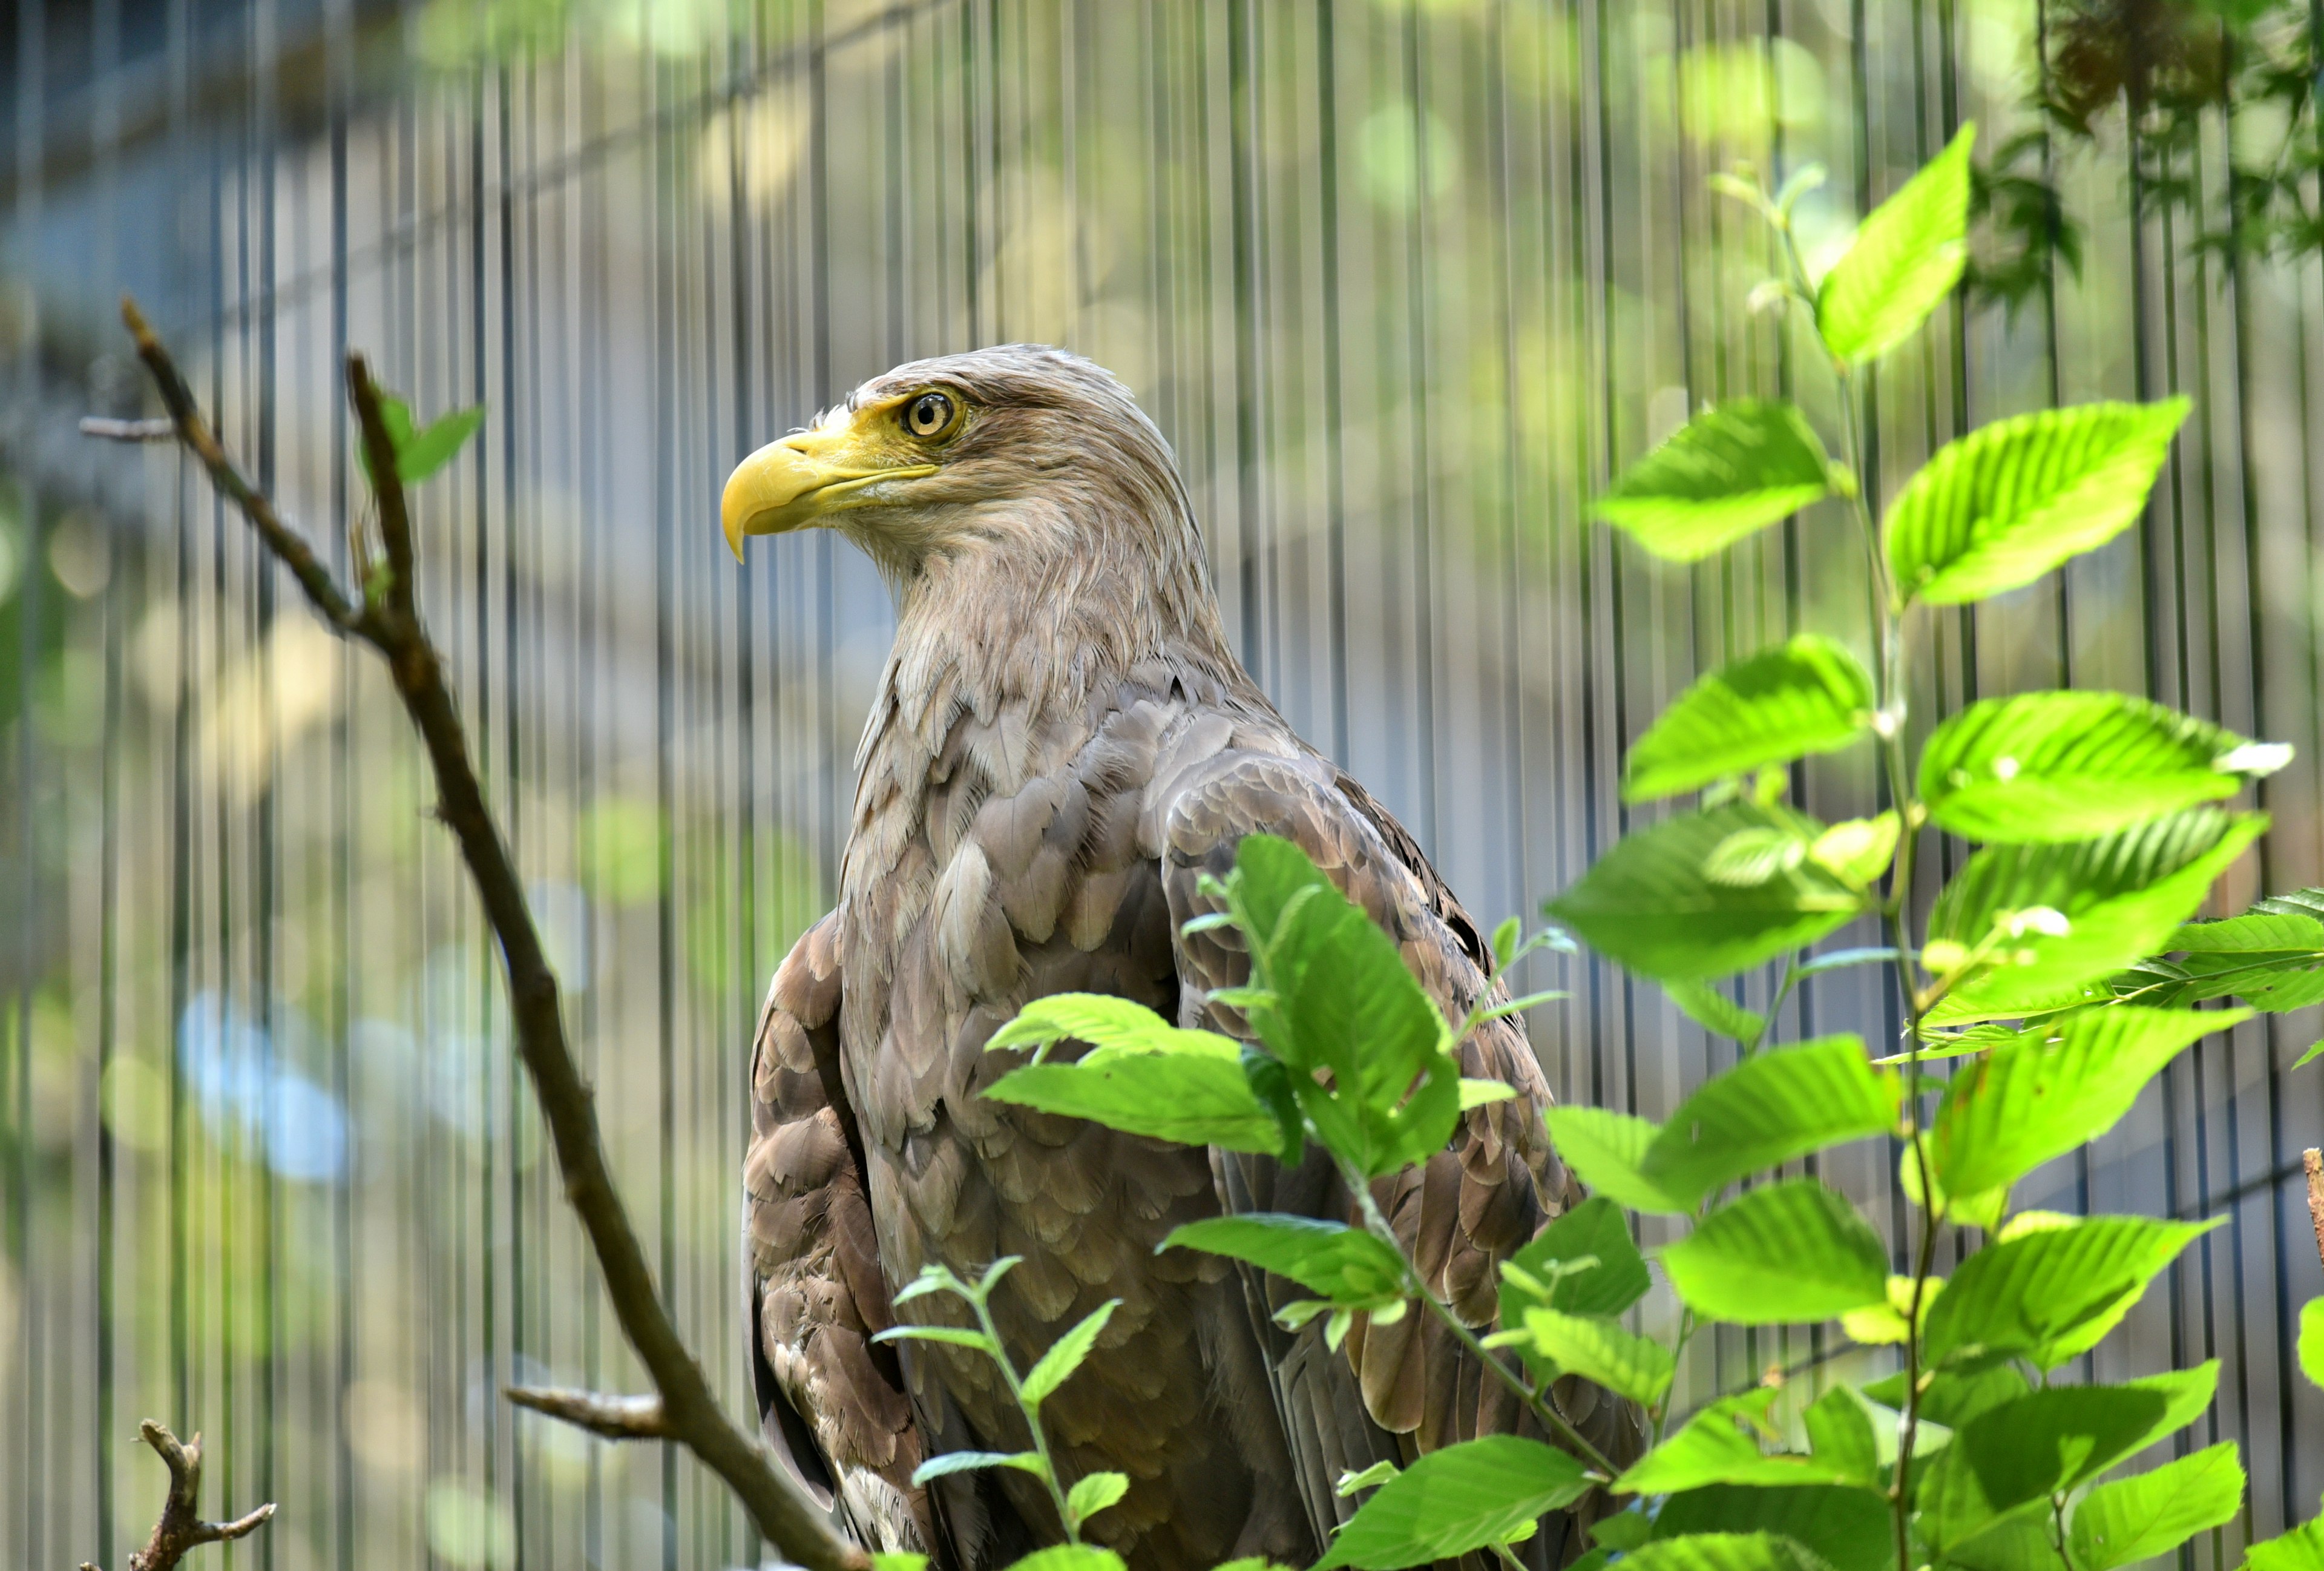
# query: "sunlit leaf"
{"type": "Point", "coordinates": [426, 451]}
{"type": "Point", "coordinates": [1843, 1525]}
{"type": "Point", "coordinates": [1719, 1552]}
{"type": "Point", "coordinates": [1648, 903]}
{"type": "Point", "coordinates": [2033, 1099]}
{"type": "Point", "coordinates": [1096, 1492]}
{"type": "Point", "coordinates": [2137, 1519]}
{"type": "Point", "coordinates": [1069, 1558]}
{"type": "Point", "coordinates": [1606, 1149]}
{"type": "Point", "coordinates": [2051, 1294]}
{"type": "Point", "coordinates": [2272, 959]}
{"type": "Point", "coordinates": [1192, 1099]}
{"type": "Point", "coordinates": [1594, 1231]}
{"type": "Point", "coordinates": [1794, 1251]}
{"type": "Point", "coordinates": [1462, 1498]}
{"type": "Point", "coordinates": [2059, 767]}
{"type": "Point", "coordinates": [1597, 1348]}
{"type": "Point", "coordinates": [2120, 897]}
{"type": "Point", "coordinates": [1065, 1354]}
{"type": "Point", "coordinates": [2014, 1457]}
{"type": "Point", "coordinates": [1842, 1438]}
{"type": "Point", "coordinates": [1906, 257]}
{"type": "Point", "coordinates": [952, 1462]}
{"type": "Point", "coordinates": [2003, 506]}
{"type": "Point", "coordinates": [1722, 1445]}
{"type": "Point", "coordinates": [1112, 1027]}
{"type": "Point", "coordinates": [2300, 1550]}
{"type": "Point", "coordinates": [1769, 1109]}
{"type": "Point", "coordinates": [1807, 696]}
{"type": "Point", "coordinates": [2312, 1341]}
{"type": "Point", "coordinates": [1346, 1265]}
{"type": "Point", "coordinates": [1714, 1012]}
{"type": "Point", "coordinates": [1730, 471]}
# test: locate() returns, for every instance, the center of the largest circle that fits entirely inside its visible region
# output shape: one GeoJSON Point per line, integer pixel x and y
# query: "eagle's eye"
{"type": "Point", "coordinates": [928, 416]}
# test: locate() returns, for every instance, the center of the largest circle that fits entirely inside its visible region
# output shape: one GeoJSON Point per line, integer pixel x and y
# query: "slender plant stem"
{"type": "Point", "coordinates": [977, 1301]}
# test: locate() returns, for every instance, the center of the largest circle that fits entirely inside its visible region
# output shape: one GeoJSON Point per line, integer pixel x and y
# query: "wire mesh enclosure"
{"type": "Point", "coordinates": [1402, 283]}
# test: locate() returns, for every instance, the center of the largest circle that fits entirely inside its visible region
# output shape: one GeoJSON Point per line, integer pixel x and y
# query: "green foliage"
{"type": "Point", "coordinates": [1728, 473]}
{"type": "Point", "coordinates": [1722, 1445]}
{"type": "Point", "coordinates": [1350, 1269]}
{"type": "Point", "coordinates": [1597, 1348]}
{"type": "Point", "coordinates": [1841, 1524]}
{"type": "Point", "coordinates": [2300, 1550]}
{"type": "Point", "coordinates": [1807, 696]}
{"type": "Point", "coordinates": [1790, 1251]}
{"type": "Point", "coordinates": [1999, 507]}
{"type": "Point", "coordinates": [1582, 1263]}
{"type": "Point", "coordinates": [2312, 1341]}
{"type": "Point", "coordinates": [421, 451]}
{"type": "Point", "coordinates": [2068, 766]}
{"type": "Point", "coordinates": [2137, 1519]}
{"type": "Point", "coordinates": [2051, 1292]}
{"type": "Point", "coordinates": [1462, 1498]}
{"type": "Point", "coordinates": [1906, 259]}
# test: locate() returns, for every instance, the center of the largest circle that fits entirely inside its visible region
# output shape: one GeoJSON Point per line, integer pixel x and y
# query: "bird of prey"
{"type": "Point", "coordinates": [1063, 742]}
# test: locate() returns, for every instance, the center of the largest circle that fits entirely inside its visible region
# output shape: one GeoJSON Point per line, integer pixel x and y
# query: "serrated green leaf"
{"type": "Point", "coordinates": [1345, 1265]}
{"type": "Point", "coordinates": [2034, 1098]}
{"type": "Point", "coordinates": [422, 453]}
{"type": "Point", "coordinates": [1842, 1525]}
{"type": "Point", "coordinates": [1721, 1445]}
{"type": "Point", "coordinates": [952, 1462]}
{"type": "Point", "coordinates": [1096, 1492]}
{"type": "Point", "coordinates": [1112, 1027]}
{"type": "Point", "coordinates": [1906, 257]}
{"type": "Point", "coordinates": [1714, 1012]}
{"type": "Point", "coordinates": [2314, 1052]}
{"type": "Point", "coordinates": [1606, 1149]}
{"type": "Point", "coordinates": [1594, 1231]}
{"type": "Point", "coordinates": [2056, 767]}
{"type": "Point", "coordinates": [1807, 696]}
{"type": "Point", "coordinates": [2137, 1519]}
{"type": "Point", "coordinates": [1649, 904]}
{"type": "Point", "coordinates": [2300, 1550]}
{"type": "Point", "coordinates": [1791, 1252]}
{"type": "Point", "coordinates": [2003, 506]}
{"type": "Point", "coordinates": [2049, 1295]}
{"type": "Point", "coordinates": [1720, 1552]}
{"type": "Point", "coordinates": [1729, 472]}
{"type": "Point", "coordinates": [2016, 1456]}
{"type": "Point", "coordinates": [1597, 1348]}
{"type": "Point", "coordinates": [1462, 1498]}
{"type": "Point", "coordinates": [957, 1336]}
{"type": "Point", "coordinates": [2121, 897]}
{"type": "Point", "coordinates": [1195, 1100]}
{"type": "Point", "coordinates": [2018, 1543]}
{"type": "Point", "coordinates": [2272, 960]}
{"type": "Point", "coordinates": [2312, 1341]}
{"type": "Point", "coordinates": [1769, 1109]}
{"type": "Point", "coordinates": [1065, 1354]}
{"type": "Point", "coordinates": [1841, 1436]}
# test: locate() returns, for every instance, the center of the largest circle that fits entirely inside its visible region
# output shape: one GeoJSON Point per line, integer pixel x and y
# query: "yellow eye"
{"type": "Point", "coordinates": [928, 415]}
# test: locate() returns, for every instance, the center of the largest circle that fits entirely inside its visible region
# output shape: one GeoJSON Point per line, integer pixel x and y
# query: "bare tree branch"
{"type": "Point", "coordinates": [386, 617]}
{"type": "Point", "coordinates": [180, 1527]}
{"type": "Point", "coordinates": [614, 1417]}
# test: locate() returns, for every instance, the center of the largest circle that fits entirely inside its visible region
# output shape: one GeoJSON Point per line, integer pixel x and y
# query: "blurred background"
{"type": "Point", "coordinates": [1402, 281]}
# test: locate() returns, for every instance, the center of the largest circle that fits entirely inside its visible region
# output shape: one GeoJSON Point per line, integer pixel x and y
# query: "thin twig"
{"type": "Point", "coordinates": [129, 430]}
{"type": "Point", "coordinates": [389, 623]}
{"type": "Point", "coordinates": [2312, 1160]}
{"type": "Point", "coordinates": [614, 1417]}
{"type": "Point", "coordinates": [180, 1527]}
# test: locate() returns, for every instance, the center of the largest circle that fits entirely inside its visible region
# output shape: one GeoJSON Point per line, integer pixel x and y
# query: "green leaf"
{"type": "Point", "coordinates": [1345, 1265]}
{"type": "Point", "coordinates": [898, 1560]}
{"type": "Point", "coordinates": [2300, 1550]}
{"type": "Point", "coordinates": [2273, 960]}
{"type": "Point", "coordinates": [2312, 1341]}
{"type": "Point", "coordinates": [420, 454]}
{"type": "Point", "coordinates": [1794, 1251]}
{"type": "Point", "coordinates": [2016, 1456]}
{"type": "Point", "coordinates": [2055, 767]}
{"type": "Point", "coordinates": [1094, 1493]}
{"type": "Point", "coordinates": [1624, 1529]}
{"type": "Point", "coordinates": [1070, 1557]}
{"type": "Point", "coordinates": [1844, 1526]}
{"type": "Point", "coordinates": [1346, 1005]}
{"type": "Point", "coordinates": [1807, 696]}
{"type": "Point", "coordinates": [1841, 1436]}
{"type": "Point", "coordinates": [1769, 1109]}
{"type": "Point", "coordinates": [1720, 1444]}
{"type": "Point", "coordinates": [1606, 1149]}
{"type": "Point", "coordinates": [1597, 1348]}
{"type": "Point", "coordinates": [1714, 1012]}
{"type": "Point", "coordinates": [1462, 1498]}
{"type": "Point", "coordinates": [2017, 1543]}
{"type": "Point", "coordinates": [956, 1336]}
{"type": "Point", "coordinates": [1371, 1477]}
{"type": "Point", "coordinates": [1593, 1231]}
{"type": "Point", "coordinates": [2314, 1052]}
{"type": "Point", "coordinates": [952, 1462]}
{"type": "Point", "coordinates": [1718, 1552]}
{"type": "Point", "coordinates": [2121, 897]}
{"type": "Point", "coordinates": [2033, 1099]}
{"type": "Point", "coordinates": [2137, 1519]}
{"type": "Point", "coordinates": [1484, 1092]}
{"type": "Point", "coordinates": [1112, 1027]}
{"type": "Point", "coordinates": [1906, 257]}
{"type": "Point", "coordinates": [1729, 472]}
{"type": "Point", "coordinates": [2051, 1294]}
{"type": "Point", "coordinates": [1065, 1356]}
{"type": "Point", "coordinates": [2005, 504]}
{"type": "Point", "coordinates": [1649, 904]}
{"type": "Point", "coordinates": [1195, 1100]}
{"type": "Point", "coordinates": [395, 415]}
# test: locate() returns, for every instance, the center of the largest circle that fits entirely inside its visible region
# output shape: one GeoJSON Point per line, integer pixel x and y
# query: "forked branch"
{"type": "Point", "coordinates": [385, 615]}
{"type": "Point", "coordinates": [180, 1527]}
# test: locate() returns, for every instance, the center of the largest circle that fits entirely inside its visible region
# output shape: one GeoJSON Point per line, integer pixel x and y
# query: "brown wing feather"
{"type": "Point", "coordinates": [1460, 1214]}
{"type": "Point", "coordinates": [831, 1401]}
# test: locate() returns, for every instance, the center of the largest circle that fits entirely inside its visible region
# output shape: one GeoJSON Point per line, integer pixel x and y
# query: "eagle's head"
{"type": "Point", "coordinates": [1022, 450]}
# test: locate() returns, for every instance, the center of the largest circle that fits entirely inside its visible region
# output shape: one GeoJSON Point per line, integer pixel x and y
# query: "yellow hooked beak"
{"type": "Point", "coordinates": [792, 483]}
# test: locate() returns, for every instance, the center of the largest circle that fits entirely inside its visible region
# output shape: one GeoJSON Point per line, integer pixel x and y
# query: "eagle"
{"type": "Point", "coordinates": [1062, 746]}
